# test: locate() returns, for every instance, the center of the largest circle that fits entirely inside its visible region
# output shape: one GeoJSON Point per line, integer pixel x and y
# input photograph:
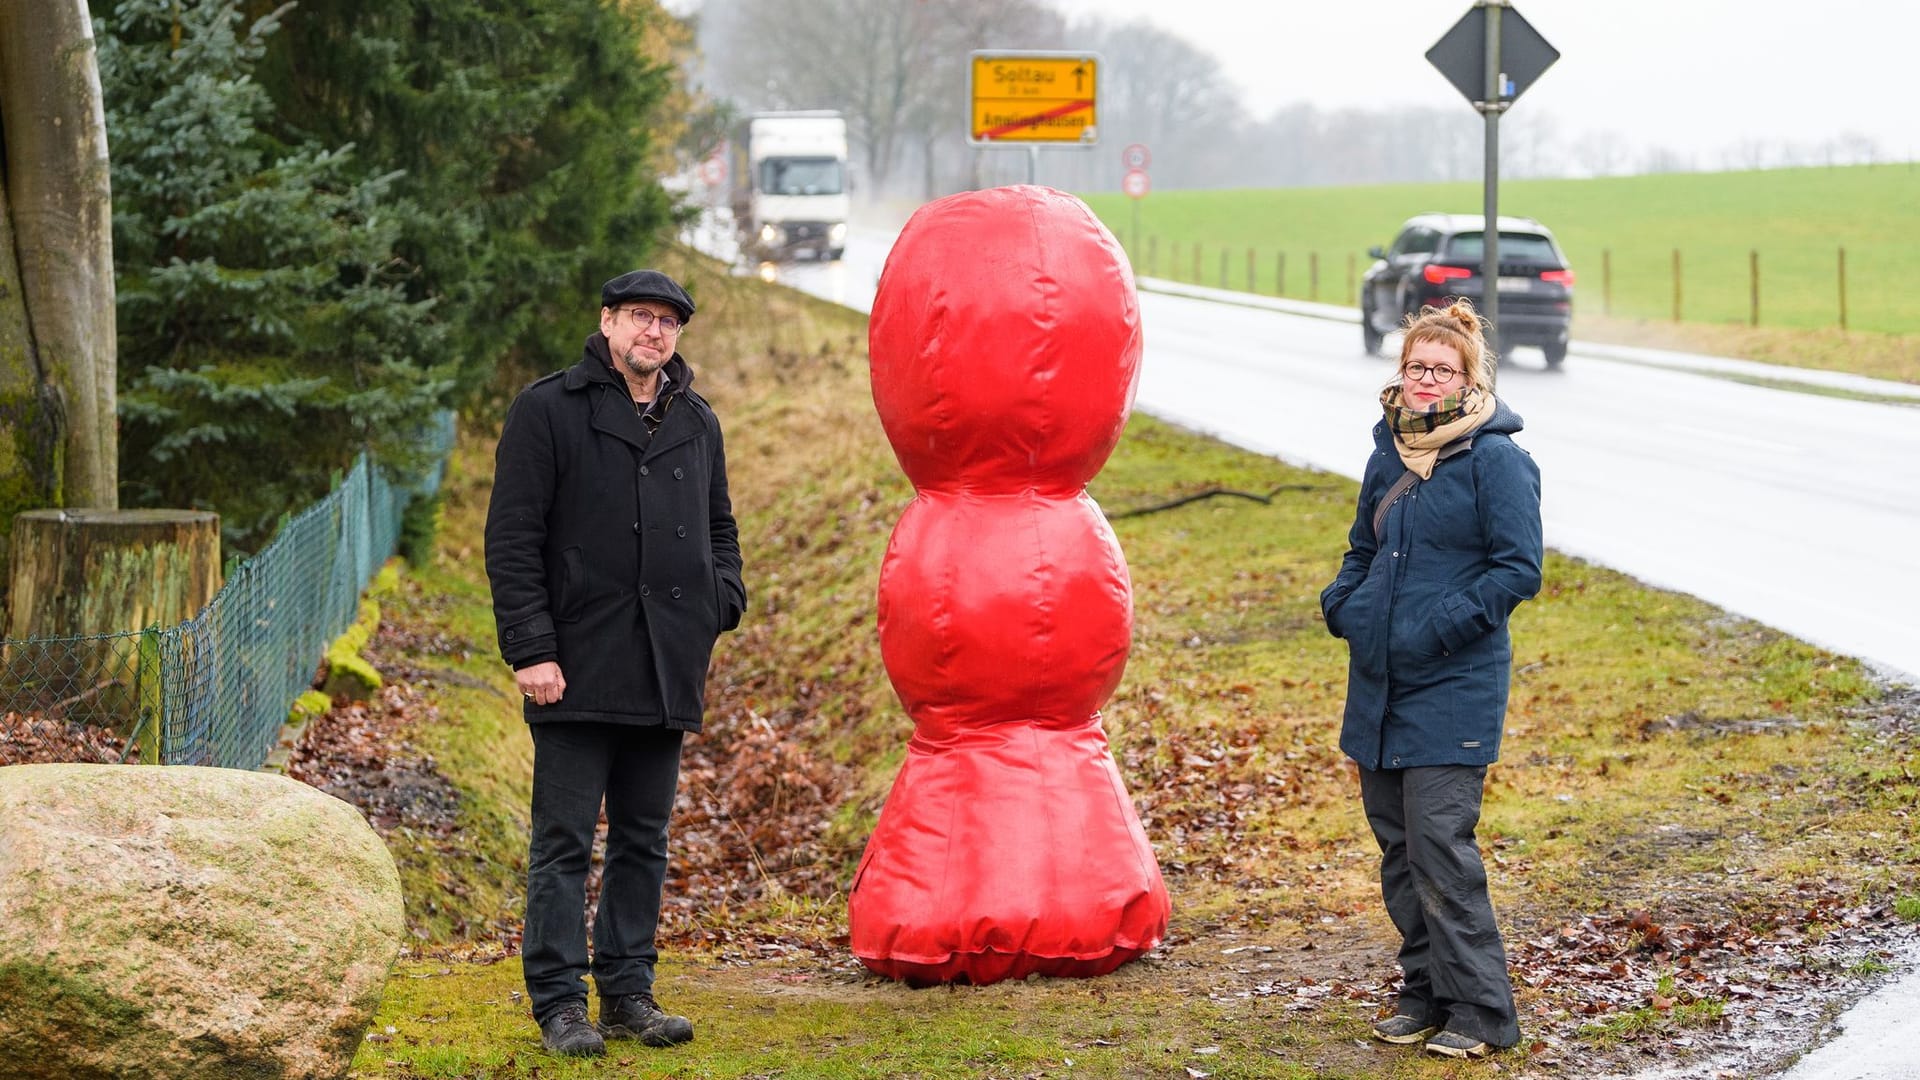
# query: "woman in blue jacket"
{"type": "Point", "coordinates": [1445, 544]}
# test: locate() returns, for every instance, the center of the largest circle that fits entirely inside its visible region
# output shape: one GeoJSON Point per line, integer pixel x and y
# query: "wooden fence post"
{"type": "Point", "coordinates": [1676, 284]}
{"type": "Point", "coordinates": [1153, 256]}
{"type": "Point", "coordinates": [1223, 268]}
{"type": "Point", "coordinates": [1843, 287]}
{"type": "Point", "coordinates": [1753, 284]}
{"type": "Point", "coordinates": [1250, 283]}
{"type": "Point", "coordinates": [1313, 275]}
{"type": "Point", "coordinates": [1606, 281]}
{"type": "Point", "coordinates": [1196, 262]}
{"type": "Point", "coordinates": [1173, 262]}
{"type": "Point", "coordinates": [1280, 275]}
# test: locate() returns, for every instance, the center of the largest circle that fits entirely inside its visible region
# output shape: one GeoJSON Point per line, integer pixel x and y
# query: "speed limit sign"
{"type": "Point", "coordinates": [1135, 156]}
{"type": "Point", "coordinates": [1135, 183]}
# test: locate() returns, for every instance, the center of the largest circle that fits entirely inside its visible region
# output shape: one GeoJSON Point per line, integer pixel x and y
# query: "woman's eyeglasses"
{"type": "Point", "coordinates": [1417, 371]}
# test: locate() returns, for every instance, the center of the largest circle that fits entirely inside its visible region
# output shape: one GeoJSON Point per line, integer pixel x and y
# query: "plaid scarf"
{"type": "Point", "coordinates": [1418, 434]}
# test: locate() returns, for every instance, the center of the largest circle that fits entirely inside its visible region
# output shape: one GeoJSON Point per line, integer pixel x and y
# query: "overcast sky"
{"type": "Point", "coordinates": [1685, 74]}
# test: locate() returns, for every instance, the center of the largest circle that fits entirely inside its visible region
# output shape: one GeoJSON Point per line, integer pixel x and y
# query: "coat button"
{"type": "Point", "coordinates": [636, 528]}
{"type": "Point", "coordinates": [643, 470]}
{"type": "Point", "coordinates": [509, 635]}
{"type": "Point", "coordinates": [676, 592]}
{"type": "Point", "coordinates": [644, 591]}
{"type": "Point", "coordinates": [679, 474]}
{"type": "Point", "coordinates": [681, 531]}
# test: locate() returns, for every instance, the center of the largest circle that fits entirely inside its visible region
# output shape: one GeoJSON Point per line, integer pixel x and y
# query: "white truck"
{"type": "Point", "coordinates": [789, 174]}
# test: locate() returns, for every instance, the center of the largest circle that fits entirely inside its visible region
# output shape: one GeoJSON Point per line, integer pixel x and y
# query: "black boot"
{"type": "Point", "coordinates": [567, 1032]}
{"type": "Point", "coordinates": [638, 1016]}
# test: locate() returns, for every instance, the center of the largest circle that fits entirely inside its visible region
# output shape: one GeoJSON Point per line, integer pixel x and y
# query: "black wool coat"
{"type": "Point", "coordinates": [611, 552]}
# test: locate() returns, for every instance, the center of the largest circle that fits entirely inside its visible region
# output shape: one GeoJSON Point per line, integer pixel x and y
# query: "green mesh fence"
{"type": "Point", "coordinates": [214, 690]}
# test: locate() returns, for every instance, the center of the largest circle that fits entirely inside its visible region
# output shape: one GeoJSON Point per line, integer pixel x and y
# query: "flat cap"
{"type": "Point", "coordinates": [647, 285]}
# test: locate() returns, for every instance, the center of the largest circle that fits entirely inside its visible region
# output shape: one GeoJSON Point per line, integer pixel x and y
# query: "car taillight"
{"type": "Point", "coordinates": [1440, 275]}
{"type": "Point", "coordinates": [1557, 277]}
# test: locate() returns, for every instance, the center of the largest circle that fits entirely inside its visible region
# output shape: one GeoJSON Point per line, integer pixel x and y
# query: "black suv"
{"type": "Point", "coordinates": [1436, 258]}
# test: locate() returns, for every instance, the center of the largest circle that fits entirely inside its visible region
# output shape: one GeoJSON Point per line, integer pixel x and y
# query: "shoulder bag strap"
{"type": "Point", "coordinates": [1399, 488]}
{"type": "Point", "coordinates": [1407, 480]}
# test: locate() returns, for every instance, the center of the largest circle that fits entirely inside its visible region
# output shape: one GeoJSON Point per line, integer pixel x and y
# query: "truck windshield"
{"type": "Point", "coordinates": [801, 176]}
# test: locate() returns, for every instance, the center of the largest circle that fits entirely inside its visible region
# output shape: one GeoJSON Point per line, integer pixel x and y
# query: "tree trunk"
{"type": "Point", "coordinates": [83, 572]}
{"type": "Point", "coordinates": [30, 420]}
{"type": "Point", "coordinates": [54, 138]}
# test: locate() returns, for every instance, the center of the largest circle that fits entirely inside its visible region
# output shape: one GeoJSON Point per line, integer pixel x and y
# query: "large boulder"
{"type": "Point", "coordinates": [170, 921]}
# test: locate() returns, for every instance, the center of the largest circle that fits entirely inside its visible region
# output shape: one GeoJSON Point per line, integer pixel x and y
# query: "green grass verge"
{"type": "Point", "coordinates": [468, 1021]}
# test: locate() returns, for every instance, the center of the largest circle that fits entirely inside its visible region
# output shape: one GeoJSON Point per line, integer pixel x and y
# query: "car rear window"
{"type": "Point", "coordinates": [1531, 247]}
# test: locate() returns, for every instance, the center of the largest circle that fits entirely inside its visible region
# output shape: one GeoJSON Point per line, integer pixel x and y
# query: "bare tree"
{"type": "Point", "coordinates": [56, 260]}
{"type": "Point", "coordinates": [964, 26]}
{"type": "Point", "coordinates": [1168, 94]}
{"type": "Point", "coordinates": [1601, 153]}
{"type": "Point", "coordinates": [861, 57]}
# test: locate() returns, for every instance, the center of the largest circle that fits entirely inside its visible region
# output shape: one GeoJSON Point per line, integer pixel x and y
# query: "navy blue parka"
{"type": "Point", "coordinates": [1424, 610]}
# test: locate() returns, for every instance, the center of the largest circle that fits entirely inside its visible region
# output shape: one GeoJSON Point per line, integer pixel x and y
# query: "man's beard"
{"type": "Point", "coordinates": [639, 366]}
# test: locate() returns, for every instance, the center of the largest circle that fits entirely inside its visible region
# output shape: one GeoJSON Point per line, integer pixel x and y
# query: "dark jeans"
{"type": "Point", "coordinates": [636, 769]}
{"type": "Point", "coordinates": [1436, 892]}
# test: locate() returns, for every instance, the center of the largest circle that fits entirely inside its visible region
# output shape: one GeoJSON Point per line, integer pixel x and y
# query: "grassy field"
{"type": "Point", "coordinates": [1666, 766]}
{"type": "Point", "coordinates": [1797, 219]}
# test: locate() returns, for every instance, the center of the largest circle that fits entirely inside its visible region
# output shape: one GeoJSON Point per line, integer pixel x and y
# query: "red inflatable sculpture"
{"type": "Point", "coordinates": [1005, 345]}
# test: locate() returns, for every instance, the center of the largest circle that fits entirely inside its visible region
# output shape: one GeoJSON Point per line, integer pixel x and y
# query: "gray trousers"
{"type": "Point", "coordinates": [575, 765]}
{"type": "Point", "coordinates": [1435, 888]}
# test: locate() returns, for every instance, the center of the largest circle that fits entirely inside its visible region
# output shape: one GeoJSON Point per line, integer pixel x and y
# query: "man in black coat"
{"type": "Point", "coordinates": [615, 563]}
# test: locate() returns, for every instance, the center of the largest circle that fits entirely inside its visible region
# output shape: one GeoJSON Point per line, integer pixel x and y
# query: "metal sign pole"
{"type": "Point", "coordinates": [1490, 234]}
{"type": "Point", "coordinates": [1469, 55]}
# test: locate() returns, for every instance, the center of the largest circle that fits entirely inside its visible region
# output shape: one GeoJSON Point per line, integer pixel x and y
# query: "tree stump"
{"type": "Point", "coordinates": [89, 573]}
{"type": "Point", "coordinates": [83, 572]}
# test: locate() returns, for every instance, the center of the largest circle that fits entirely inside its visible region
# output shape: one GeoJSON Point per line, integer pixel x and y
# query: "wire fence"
{"type": "Point", "coordinates": [1803, 289]}
{"type": "Point", "coordinates": [215, 689]}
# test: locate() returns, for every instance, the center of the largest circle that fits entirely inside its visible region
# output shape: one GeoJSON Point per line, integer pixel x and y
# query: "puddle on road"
{"type": "Point", "coordinates": [1809, 1037]}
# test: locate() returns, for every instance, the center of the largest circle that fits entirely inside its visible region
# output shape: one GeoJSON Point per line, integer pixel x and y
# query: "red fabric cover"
{"type": "Point", "coordinates": [1005, 346]}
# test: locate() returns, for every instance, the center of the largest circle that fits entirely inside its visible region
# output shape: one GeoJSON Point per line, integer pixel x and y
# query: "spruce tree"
{"type": "Point", "coordinates": [269, 329]}
{"type": "Point", "coordinates": [524, 139]}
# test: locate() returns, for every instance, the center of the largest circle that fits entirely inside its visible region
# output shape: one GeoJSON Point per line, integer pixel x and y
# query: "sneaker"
{"type": "Point", "coordinates": [567, 1032]}
{"type": "Point", "coordinates": [638, 1016]}
{"type": "Point", "coordinates": [1403, 1030]}
{"type": "Point", "coordinates": [1455, 1045]}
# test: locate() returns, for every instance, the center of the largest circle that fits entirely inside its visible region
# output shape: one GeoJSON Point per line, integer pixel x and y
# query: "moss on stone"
{"type": "Point", "coordinates": [348, 673]}
{"type": "Point", "coordinates": [307, 707]}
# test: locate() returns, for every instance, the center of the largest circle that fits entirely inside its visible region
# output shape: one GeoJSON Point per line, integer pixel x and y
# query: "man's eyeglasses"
{"type": "Point", "coordinates": [1441, 373]}
{"type": "Point", "coordinates": [643, 319]}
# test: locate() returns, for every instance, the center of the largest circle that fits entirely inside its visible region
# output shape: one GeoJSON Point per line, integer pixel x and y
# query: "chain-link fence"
{"type": "Point", "coordinates": [213, 690]}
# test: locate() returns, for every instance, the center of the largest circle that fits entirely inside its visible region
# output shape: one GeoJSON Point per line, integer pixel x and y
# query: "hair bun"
{"type": "Point", "coordinates": [1461, 311]}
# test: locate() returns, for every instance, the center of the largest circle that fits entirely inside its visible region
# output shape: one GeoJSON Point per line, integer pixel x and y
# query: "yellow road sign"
{"type": "Point", "coordinates": [1047, 97]}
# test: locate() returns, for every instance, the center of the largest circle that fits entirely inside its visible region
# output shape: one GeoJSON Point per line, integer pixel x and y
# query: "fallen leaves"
{"type": "Point", "coordinates": [27, 738]}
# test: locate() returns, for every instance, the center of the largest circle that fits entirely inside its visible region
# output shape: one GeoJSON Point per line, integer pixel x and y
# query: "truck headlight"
{"type": "Point", "coordinates": [837, 234]}
{"type": "Point", "coordinates": [770, 234]}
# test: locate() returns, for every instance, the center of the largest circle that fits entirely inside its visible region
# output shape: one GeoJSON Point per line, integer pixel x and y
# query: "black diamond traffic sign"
{"type": "Point", "coordinates": [1461, 55]}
